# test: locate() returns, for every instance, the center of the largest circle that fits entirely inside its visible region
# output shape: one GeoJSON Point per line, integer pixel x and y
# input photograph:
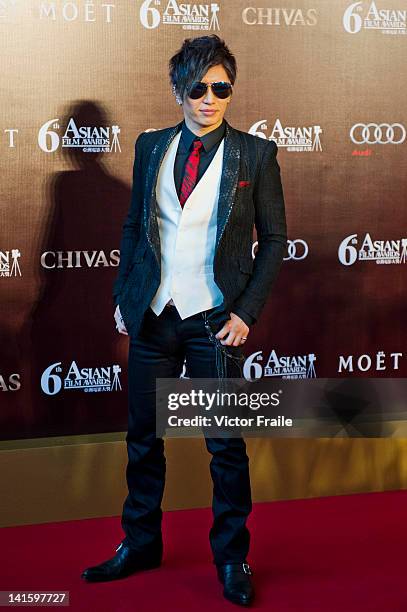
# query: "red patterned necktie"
{"type": "Point", "coordinates": [191, 172]}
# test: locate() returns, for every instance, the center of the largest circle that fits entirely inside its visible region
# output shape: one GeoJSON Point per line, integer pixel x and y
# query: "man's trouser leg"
{"type": "Point", "coordinates": [154, 353]}
{"type": "Point", "coordinates": [231, 503]}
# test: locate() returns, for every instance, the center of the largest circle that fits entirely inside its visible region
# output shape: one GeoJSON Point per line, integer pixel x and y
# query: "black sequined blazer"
{"type": "Point", "coordinates": [250, 195]}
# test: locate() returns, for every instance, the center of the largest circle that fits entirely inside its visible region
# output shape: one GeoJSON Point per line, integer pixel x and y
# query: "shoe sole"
{"type": "Point", "coordinates": [239, 602]}
{"type": "Point", "coordinates": [152, 565]}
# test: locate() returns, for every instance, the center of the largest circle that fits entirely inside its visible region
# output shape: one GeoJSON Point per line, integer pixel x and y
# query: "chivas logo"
{"type": "Point", "coordinates": [10, 383]}
{"type": "Point", "coordinates": [52, 260]}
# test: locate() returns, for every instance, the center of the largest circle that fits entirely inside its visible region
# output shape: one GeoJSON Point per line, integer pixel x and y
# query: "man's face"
{"type": "Point", "coordinates": [207, 112]}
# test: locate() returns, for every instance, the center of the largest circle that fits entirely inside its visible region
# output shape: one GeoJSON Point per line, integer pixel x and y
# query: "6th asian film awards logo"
{"type": "Point", "coordinates": [387, 21]}
{"type": "Point", "coordinates": [380, 251]}
{"type": "Point", "coordinates": [94, 139]}
{"type": "Point", "coordinates": [9, 265]}
{"type": "Point", "coordinates": [190, 16]}
{"type": "Point", "coordinates": [89, 380]}
{"type": "Point", "coordinates": [282, 366]}
{"type": "Point", "coordinates": [293, 139]}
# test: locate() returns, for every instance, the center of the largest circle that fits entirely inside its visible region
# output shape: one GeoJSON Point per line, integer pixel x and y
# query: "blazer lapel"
{"type": "Point", "coordinates": [227, 189]}
{"type": "Point", "coordinates": [228, 183]}
{"type": "Point", "coordinates": [150, 201]}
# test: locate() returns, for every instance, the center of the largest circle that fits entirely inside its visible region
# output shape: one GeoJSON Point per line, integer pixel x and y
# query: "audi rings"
{"type": "Point", "coordinates": [296, 249]}
{"type": "Point", "coordinates": [382, 133]}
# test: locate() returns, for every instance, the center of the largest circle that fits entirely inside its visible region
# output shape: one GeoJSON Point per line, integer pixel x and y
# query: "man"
{"type": "Point", "coordinates": [188, 289]}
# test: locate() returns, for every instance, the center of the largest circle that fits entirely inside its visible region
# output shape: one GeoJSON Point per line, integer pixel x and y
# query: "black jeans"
{"type": "Point", "coordinates": [158, 351]}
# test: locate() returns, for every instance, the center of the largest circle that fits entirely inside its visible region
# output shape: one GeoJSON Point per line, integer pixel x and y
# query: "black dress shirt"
{"type": "Point", "coordinates": [210, 141]}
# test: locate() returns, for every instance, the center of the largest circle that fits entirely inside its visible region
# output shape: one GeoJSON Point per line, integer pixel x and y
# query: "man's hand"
{"type": "Point", "coordinates": [120, 326]}
{"type": "Point", "coordinates": [236, 330]}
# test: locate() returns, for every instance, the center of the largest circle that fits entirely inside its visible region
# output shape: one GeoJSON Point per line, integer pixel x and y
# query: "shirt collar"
{"type": "Point", "coordinates": [209, 140]}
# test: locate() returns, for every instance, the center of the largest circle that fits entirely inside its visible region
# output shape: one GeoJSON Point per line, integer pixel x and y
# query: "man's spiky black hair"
{"type": "Point", "coordinates": [195, 57]}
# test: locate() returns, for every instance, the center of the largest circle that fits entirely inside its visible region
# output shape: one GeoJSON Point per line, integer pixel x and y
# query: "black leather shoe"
{"type": "Point", "coordinates": [235, 578]}
{"type": "Point", "coordinates": [125, 562]}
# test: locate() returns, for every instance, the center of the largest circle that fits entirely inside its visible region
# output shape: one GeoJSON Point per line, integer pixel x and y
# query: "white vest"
{"type": "Point", "coordinates": [187, 237]}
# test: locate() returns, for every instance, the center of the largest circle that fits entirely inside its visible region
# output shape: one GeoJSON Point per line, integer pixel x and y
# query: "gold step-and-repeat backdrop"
{"type": "Point", "coordinates": [325, 79]}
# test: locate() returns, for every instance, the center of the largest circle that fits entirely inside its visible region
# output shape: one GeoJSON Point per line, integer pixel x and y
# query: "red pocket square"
{"type": "Point", "coordinates": [243, 183]}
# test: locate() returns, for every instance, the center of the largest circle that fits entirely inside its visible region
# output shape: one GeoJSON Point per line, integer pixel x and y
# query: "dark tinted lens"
{"type": "Point", "coordinates": [221, 89]}
{"type": "Point", "coordinates": [197, 90]}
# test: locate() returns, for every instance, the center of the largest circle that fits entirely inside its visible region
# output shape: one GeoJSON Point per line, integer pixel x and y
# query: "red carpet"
{"type": "Point", "coordinates": [328, 554]}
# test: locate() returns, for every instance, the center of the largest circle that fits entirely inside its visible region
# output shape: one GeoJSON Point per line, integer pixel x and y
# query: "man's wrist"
{"type": "Point", "coordinates": [245, 316]}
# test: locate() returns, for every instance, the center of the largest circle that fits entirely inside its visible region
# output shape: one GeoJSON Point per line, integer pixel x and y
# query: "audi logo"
{"type": "Point", "coordinates": [292, 246]}
{"type": "Point", "coordinates": [382, 133]}
{"type": "Point", "coordinates": [296, 249]}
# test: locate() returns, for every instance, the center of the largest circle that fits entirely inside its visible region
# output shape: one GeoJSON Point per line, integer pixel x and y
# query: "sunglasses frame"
{"type": "Point", "coordinates": [210, 85]}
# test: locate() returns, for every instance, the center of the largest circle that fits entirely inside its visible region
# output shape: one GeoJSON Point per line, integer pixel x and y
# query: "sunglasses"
{"type": "Point", "coordinates": [221, 89]}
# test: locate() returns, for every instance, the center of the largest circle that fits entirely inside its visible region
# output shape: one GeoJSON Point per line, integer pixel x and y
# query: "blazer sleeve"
{"type": "Point", "coordinates": [271, 227]}
{"type": "Point", "coordinates": [132, 223]}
